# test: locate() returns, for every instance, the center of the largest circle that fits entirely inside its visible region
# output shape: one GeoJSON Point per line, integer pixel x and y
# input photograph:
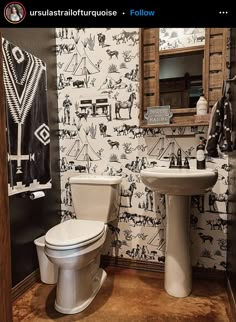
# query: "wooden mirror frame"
{"type": "Point", "coordinates": [214, 73]}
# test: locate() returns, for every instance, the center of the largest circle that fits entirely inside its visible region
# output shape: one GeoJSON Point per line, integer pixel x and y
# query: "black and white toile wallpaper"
{"type": "Point", "coordinates": [98, 73]}
{"type": "Point", "coordinates": [173, 38]}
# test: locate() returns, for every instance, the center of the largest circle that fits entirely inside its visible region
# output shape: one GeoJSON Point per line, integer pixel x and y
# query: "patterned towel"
{"type": "Point", "coordinates": [27, 120]}
{"type": "Point", "coordinates": [220, 128]}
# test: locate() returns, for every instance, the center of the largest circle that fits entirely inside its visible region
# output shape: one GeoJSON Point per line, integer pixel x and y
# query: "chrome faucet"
{"type": "Point", "coordinates": [179, 158]}
{"type": "Point", "coordinates": [179, 164]}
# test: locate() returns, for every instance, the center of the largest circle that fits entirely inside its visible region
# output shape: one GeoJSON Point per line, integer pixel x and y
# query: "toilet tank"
{"type": "Point", "coordinates": [95, 197]}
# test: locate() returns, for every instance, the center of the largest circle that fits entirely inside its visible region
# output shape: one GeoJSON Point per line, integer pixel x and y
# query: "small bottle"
{"type": "Point", "coordinates": [201, 159]}
{"type": "Point", "coordinates": [201, 105]}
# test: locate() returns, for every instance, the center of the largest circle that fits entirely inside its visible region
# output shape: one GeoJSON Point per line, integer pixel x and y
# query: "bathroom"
{"type": "Point", "coordinates": [85, 64]}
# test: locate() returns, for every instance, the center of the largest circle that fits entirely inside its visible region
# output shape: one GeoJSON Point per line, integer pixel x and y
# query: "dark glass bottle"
{"type": "Point", "coordinates": [201, 158]}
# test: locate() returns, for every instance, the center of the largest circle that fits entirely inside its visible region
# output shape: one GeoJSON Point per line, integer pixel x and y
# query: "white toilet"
{"type": "Point", "coordinates": [75, 245]}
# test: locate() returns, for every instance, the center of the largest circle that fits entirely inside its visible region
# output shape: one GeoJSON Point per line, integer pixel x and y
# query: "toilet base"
{"type": "Point", "coordinates": [98, 280]}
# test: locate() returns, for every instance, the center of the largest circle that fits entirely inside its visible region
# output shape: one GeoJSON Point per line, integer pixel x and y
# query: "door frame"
{"type": "Point", "coordinates": [5, 253]}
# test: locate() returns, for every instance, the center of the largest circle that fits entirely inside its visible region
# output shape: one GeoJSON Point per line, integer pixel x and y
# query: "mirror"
{"type": "Point", "coordinates": [180, 80]}
{"type": "Point", "coordinates": [181, 54]}
{"type": "Point", "coordinates": [174, 64]}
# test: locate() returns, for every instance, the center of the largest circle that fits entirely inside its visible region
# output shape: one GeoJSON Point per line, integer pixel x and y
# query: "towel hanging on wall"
{"type": "Point", "coordinates": [220, 128]}
{"type": "Point", "coordinates": [27, 120]}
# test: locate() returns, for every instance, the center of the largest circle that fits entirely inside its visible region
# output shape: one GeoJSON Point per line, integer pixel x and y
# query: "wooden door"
{"type": "Point", "coordinates": [5, 255]}
{"type": "Point", "coordinates": [231, 233]}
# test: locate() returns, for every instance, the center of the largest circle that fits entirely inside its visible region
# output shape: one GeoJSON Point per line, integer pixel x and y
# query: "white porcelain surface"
{"type": "Point", "coordinates": [178, 270]}
{"type": "Point", "coordinates": [96, 197]}
{"type": "Point", "coordinates": [79, 275]}
{"type": "Point", "coordinates": [81, 285]}
{"type": "Point", "coordinates": [95, 179]}
{"type": "Point", "coordinates": [73, 231]}
{"type": "Point", "coordinates": [75, 245]}
{"type": "Point", "coordinates": [178, 185]}
{"type": "Point", "coordinates": [183, 182]}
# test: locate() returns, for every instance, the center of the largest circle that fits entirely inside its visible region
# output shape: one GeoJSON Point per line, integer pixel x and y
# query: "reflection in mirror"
{"type": "Point", "coordinates": [180, 79]}
{"type": "Point", "coordinates": [181, 64]}
{"type": "Point", "coordinates": [180, 38]}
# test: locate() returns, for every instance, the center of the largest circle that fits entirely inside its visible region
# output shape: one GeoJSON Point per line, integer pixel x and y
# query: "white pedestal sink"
{"type": "Point", "coordinates": [178, 185]}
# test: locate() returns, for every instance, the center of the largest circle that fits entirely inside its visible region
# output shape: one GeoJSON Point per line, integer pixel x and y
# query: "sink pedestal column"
{"type": "Point", "coordinates": [178, 268]}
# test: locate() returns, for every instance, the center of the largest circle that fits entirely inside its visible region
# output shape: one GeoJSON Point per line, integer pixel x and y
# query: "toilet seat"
{"type": "Point", "coordinates": [74, 233]}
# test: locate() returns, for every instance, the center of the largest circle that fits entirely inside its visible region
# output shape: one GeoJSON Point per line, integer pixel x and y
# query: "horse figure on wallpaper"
{"type": "Point", "coordinates": [129, 193]}
{"type": "Point", "coordinates": [125, 105]}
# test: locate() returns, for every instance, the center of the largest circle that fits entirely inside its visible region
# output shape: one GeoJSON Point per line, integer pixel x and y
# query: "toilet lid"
{"type": "Point", "coordinates": [73, 231]}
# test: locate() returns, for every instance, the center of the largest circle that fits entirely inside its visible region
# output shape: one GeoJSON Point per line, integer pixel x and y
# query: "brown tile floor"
{"type": "Point", "coordinates": [130, 296]}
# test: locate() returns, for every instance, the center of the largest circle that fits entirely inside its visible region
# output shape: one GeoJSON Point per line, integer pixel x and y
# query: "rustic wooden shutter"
{"type": "Point", "coordinates": [215, 63]}
{"type": "Point", "coordinates": [149, 69]}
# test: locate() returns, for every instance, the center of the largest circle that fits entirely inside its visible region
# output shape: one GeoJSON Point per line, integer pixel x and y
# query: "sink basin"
{"type": "Point", "coordinates": [178, 185]}
{"type": "Point", "coordinates": [184, 182]}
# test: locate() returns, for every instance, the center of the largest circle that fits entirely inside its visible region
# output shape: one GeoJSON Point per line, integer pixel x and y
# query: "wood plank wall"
{"type": "Point", "coordinates": [149, 68]}
{"type": "Point", "coordinates": [215, 63]}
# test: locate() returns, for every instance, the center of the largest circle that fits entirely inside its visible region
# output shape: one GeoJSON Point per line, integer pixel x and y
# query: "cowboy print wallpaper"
{"type": "Point", "coordinates": [98, 82]}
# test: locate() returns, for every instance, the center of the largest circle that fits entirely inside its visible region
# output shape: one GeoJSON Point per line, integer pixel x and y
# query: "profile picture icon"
{"type": "Point", "coordinates": [14, 12]}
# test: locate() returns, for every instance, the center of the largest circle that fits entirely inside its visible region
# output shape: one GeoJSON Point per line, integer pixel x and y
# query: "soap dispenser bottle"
{"type": "Point", "coordinates": [201, 106]}
{"type": "Point", "coordinates": [201, 158]}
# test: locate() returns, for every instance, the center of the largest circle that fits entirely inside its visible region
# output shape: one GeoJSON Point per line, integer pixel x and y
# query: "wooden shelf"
{"type": "Point", "coordinates": [184, 50]}
{"type": "Point", "coordinates": [182, 117]}
{"type": "Point", "coordinates": [183, 110]}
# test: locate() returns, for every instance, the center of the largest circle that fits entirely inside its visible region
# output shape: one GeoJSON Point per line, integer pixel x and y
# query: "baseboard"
{"type": "Point", "coordinates": [24, 285]}
{"type": "Point", "coordinates": [198, 272]}
{"type": "Point", "coordinates": [131, 263]}
{"type": "Point", "coordinates": [232, 302]}
{"type": "Point", "coordinates": [203, 273]}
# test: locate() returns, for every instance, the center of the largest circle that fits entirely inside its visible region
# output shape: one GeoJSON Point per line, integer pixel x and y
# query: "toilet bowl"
{"type": "Point", "coordinates": [76, 252]}
{"type": "Point", "coordinates": [75, 245]}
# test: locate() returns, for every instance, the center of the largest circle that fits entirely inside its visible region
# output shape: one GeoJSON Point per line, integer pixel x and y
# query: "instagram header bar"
{"type": "Point", "coordinates": [28, 14]}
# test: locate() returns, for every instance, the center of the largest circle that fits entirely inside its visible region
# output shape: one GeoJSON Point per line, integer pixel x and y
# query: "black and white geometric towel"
{"type": "Point", "coordinates": [28, 134]}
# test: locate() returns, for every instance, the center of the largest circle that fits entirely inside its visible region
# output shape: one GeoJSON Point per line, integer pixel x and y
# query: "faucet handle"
{"type": "Point", "coordinates": [172, 161]}
{"type": "Point", "coordinates": [179, 158]}
{"type": "Point", "coordinates": [186, 163]}
{"type": "Point", "coordinates": [179, 152]}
